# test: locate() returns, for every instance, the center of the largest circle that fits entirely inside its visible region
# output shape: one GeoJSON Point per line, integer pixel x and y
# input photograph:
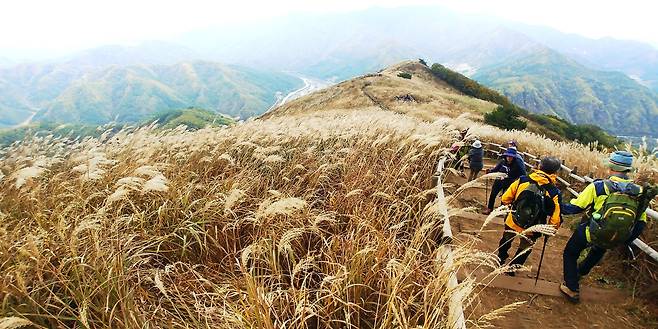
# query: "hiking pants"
{"type": "Point", "coordinates": [525, 246]}
{"type": "Point", "coordinates": [576, 244]}
{"type": "Point", "coordinates": [498, 185]}
{"type": "Point", "coordinates": [474, 172]}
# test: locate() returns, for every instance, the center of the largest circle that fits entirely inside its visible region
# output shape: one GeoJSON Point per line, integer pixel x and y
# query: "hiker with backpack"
{"type": "Point", "coordinates": [616, 215]}
{"type": "Point", "coordinates": [511, 165]}
{"type": "Point", "coordinates": [475, 159]}
{"type": "Point", "coordinates": [534, 200]}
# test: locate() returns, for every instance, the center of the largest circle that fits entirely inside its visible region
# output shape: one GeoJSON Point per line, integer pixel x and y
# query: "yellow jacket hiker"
{"type": "Point", "coordinates": [535, 200]}
{"type": "Point", "coordinates": [543, 179]}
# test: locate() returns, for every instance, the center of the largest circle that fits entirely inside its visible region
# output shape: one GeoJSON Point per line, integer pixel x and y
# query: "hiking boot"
{"type": "Point", "coordinates": [572, 296]}
{"type": "Point", "coordinates": [486, 211]}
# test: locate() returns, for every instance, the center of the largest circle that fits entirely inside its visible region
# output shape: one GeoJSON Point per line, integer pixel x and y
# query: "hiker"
{"type": "Point", "coordinates": [459, 151]}
{"type": "Point", "coordinates": [463, 133]}
{"type": "Point", "coordinates": [615, 209]}
{"type": "Point", "coordinates": [475, 159]}
{"type": "Point", "coordinates": [511, 165]}
{"type": "Point", "coordinates": [534, 198]}
{"type": "Point", "coordinates": [512, 143]}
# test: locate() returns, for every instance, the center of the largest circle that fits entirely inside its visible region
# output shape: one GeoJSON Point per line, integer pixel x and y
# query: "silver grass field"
{"type": "Point", "coordinates": [323, 221]}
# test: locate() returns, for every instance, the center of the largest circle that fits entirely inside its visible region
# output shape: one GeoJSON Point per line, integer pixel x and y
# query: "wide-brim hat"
{"type": "Point", "coordinates": [621, 161]}
{"type": "Point", "coordinates": [477, 144]}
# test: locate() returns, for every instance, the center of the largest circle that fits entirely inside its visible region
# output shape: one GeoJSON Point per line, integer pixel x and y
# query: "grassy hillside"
{"type": "Point", "coordinates": [11, 135]}
{"type": "Point", "coordinates": [192, 118]}
{"type": "Point", "coordinates": [72, 94]}
{"type": "Point", "coordinates": [429, 97]}
{"type": "Point", "coordinates": [547, 82]}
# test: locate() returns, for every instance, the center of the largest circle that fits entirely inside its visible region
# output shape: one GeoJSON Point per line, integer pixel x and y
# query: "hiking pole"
{"type": "Point", "coordinates": [541, 259]}
{"type": "Point", "coordinates": [486, 190]}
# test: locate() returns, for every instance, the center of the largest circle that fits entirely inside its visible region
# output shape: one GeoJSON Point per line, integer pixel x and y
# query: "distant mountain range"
{"type": "Point", "coordinates": [94, 90]}
{"type": "Point", "coordinates": [541, 69]}
{"type": "Point", "coordinates": [150, 52]}
{"type": "Point", "coordinates": [636, 59]}
{"type": "Point", "coordinates": [4, 62]}
{"type": "Point", "coordinates": [573, 82]}
{"type": "Point", "coordinates": [548, 82]}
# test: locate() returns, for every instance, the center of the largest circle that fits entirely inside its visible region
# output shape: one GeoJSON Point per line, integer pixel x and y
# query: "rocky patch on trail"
{"type": "Point", "coordinates": [406, 98]}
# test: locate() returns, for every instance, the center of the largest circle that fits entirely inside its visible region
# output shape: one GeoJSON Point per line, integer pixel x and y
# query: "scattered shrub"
{"type": "Point", "coordinates": [404, 75]}
{"type": "Point", "coordinates": [505, 118]}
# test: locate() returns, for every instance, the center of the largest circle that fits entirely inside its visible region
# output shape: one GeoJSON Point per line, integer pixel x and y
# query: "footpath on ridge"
{"type": "Point", "coordinates": [603, 303]}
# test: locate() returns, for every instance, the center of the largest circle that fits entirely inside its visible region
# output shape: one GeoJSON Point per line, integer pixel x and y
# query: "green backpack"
{"type": "Point", "coordinates": [613, 224]}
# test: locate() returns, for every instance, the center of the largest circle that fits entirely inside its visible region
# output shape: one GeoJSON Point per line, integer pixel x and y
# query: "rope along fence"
{"type": "Point", "coordinates": [495, 148]}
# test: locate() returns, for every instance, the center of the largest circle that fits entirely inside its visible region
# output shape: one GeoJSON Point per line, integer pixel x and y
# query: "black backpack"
{"type": "Point", "coordinates": [533, 205]}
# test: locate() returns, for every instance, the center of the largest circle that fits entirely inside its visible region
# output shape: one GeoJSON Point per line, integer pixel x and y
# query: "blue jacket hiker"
{"type": "Point", "coordinates": [511, 165]}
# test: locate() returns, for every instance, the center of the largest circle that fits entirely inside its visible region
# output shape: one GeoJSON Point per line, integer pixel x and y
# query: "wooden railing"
{"type": "Point", "coordinates": [496, 148]}
{"type": "Point", "coordinates": [455, 308]}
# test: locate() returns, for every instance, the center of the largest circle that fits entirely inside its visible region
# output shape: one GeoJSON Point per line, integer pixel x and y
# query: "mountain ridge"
{"type": "Point", "coordinates": [548, 82]}
{"type": "Point", "coordinates": [69, 94]}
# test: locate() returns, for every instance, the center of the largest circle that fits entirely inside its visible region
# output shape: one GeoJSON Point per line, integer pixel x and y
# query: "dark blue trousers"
{"type": "Point", "coordinates": [498, 186]}
{"type": "Point", "coordinates": [576, 244]}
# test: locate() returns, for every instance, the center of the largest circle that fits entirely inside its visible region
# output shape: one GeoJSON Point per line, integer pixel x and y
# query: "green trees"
{"type": "Point", "coordinates": [193, 118]}
{"type": "Point", "coordinates": [472, 88]}
{"type": "Point", "coordinates": [508, 115]}
{"type": "Point", "coordinates": [591, 133]}
{"type": "Point", "coordinates": [505, 117]}
{"type": "Point", "coordinates": [404, 75]}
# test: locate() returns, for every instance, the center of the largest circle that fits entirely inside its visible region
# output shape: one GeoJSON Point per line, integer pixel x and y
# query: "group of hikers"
{"type": "Point", "coordinates": [614, 207]}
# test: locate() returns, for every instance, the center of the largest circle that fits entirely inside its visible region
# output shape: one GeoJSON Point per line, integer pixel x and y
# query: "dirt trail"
{"type": "Point", "coordinates": [547, 311]}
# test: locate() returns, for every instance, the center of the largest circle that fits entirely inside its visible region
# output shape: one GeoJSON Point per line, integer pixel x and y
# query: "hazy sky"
{"type": "Point", "coordinates": [75, 24]}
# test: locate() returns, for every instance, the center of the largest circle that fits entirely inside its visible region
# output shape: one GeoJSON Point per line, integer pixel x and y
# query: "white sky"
{"type": "Point", "coordinates": [75, 24]}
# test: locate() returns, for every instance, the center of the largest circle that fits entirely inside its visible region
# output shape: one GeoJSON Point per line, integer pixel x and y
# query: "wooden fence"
{"type": "Point", "coordinates": [455, 308]}
{"type": "Point", "coordinates": [571, 173]}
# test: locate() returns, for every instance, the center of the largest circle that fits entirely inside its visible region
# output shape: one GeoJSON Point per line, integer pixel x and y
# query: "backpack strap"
{"type": "Point", "coordinates": [628, 188]}
{"type": "Point", "coordinates": [526, 179]}
{"type": "Point", "coordinates": [552, 190]}
{"type": "Point", "coordinates": [600, 187]}
{"type": "Point", "coordinates": [549, 188]}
